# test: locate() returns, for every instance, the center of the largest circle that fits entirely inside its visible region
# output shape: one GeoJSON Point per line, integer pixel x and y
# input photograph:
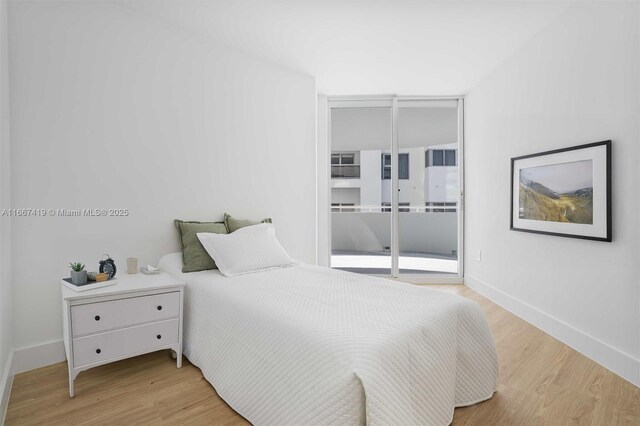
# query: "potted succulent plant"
{"type": "Point", "coordinates": [78, 273]}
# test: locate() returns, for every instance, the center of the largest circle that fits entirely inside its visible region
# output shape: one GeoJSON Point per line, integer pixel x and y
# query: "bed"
{"type": "Point", "coordinates": [313, 345]}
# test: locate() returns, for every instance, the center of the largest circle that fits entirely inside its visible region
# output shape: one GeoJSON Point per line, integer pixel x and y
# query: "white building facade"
{"type": "Point", "coordinates": [428, 179]}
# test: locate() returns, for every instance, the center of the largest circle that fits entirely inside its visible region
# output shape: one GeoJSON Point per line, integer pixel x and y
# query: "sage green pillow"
{"type": "Point", "coordinates": [234, 224]}
{"type": "Point", "coordinates": [194, 256]}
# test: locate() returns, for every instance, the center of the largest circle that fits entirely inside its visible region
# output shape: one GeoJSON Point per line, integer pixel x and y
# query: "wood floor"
{"type": "Point", "coordinates": [542, 382]}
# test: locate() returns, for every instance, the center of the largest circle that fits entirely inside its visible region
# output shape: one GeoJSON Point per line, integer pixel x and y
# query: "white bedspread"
{"type": "Point", "coordinates": [312, 345]}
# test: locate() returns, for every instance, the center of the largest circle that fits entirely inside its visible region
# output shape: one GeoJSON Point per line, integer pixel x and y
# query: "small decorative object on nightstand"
{"type": "Point", "coordinates": [132, 265]}
{"type": "Point", "coordinates": [141, 314]}
{"type": "Point", "coordinates": [78, 273]}
{"type": "Point", "coordinates": [108, 266]}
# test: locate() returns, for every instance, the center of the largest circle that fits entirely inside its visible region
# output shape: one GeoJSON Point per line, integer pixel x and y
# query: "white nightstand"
{"type": "Point", "coordinates": [140, 314]}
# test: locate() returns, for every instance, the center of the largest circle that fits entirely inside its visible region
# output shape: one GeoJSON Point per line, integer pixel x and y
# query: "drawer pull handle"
{"type": "Point", "coordinates": [159, 336]}
{"type": "Point", "coordinates": [97, 317]}
{"type": "Point", "coordinates": [98, 351]}
{"type": "Point", "coordinates": [159, 307]}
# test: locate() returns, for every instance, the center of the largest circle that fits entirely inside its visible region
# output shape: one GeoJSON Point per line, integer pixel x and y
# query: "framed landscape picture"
{"type": "Point", "coordinates": [565, 192]}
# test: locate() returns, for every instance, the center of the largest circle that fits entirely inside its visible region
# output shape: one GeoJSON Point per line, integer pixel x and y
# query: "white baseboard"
{"type": "Point", "coordinates": [33, 357]}
{"type": "Point", "coordinates": [620, 363]}
{"type": "Point", "coordinates": [5, 387]}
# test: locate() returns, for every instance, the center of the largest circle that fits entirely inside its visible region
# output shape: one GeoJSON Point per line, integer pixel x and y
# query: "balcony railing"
{"type": "Point", "coordinates": [345, 171]}
{"type": "Point", "coordinates": [436, 208]}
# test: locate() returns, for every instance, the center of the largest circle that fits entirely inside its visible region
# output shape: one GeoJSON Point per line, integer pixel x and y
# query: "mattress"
{"type": "Point", "coordinates": [313, 345]}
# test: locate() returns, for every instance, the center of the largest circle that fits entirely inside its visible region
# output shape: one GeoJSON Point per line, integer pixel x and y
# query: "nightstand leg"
{"type": "Point", "coordinates": [177, 355]}
{"type": "Point", "coordinates": [72, 391]}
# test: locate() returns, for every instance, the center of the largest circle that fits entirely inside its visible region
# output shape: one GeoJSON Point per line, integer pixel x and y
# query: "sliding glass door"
{"type": "Point", "coordinates": [428, 186]}
{"type": "Point", "coordinates": [360, 221]}
{"type": "Point", "coordinates": [395, 187]}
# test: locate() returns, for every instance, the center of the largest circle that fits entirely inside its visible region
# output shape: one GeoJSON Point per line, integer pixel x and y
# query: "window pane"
{"type": "Point", "coordinates": [348, 158]}
{"type": "Point", "coordinates": [351, 171]}
{"type": "Point", "coordinates": [386, 173]}
{"type": "Point", "coordinates": [335, 158]}
{"type": "Point", "coordinates": [438, 159]}
{"type": "Point", "coordinates": [403, 166]}
{"type": "Point", "coordinates": [450, 157]}
{"type": "Point", "coordinates": [362, 135]}
{"type": "Point", "coordinates": [387, 159]}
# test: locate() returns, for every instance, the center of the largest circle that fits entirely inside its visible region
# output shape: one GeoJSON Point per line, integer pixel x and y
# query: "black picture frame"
{"type": "Point", "coordinates": [607, 176]}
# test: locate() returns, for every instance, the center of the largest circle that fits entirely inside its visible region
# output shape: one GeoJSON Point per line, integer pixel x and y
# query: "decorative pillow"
{"type": "Point", "coordinates": [234, 224]}
{"type": "Point", "coordinates": [250, 249]}
{"type": "Point", "coordinates": [194, 256]}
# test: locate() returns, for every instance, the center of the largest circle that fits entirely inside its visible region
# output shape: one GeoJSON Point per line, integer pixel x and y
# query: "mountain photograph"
{"type": "Point", "coordinates": [560, 192]}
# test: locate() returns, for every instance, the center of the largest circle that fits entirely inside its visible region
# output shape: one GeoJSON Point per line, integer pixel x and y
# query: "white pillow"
{"type": "Point", "coordinates": [250, 249]}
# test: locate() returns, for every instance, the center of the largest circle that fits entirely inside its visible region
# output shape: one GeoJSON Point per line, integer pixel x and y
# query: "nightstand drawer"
{"type": "Point", "coordinates": [102, 316]}
{"type": "Point", "coordinates": [125, 342]}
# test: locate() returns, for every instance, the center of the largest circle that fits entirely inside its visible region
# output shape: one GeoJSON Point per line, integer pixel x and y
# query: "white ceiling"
{"type": "Point", "coordinates": [368, 47]}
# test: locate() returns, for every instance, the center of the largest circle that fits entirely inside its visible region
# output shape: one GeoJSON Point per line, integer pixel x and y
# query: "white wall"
{"type": "Point", "coordinates": [114, 110]}
{"type": "Point", "coordinates": [6, 321]}
{"type": "Point", "coordinates": [412, 190]}
{"type": "Point", "coordinates": [370, 166]}
{"type": "Point", "coordinates": [576, 82]}
{"type": "Point", "coordinates": [441, 182]}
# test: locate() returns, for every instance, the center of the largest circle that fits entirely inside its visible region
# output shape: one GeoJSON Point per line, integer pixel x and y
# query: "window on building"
{"type": "Point", "coordinates": [403, 166]}
{"type": "Point", "coordinates": [441, 207]}
{"type": "Point", "coordinates": [437, 158]}
{"type": "Point", "coordinates": [343, 207]}
{"type": "Point", "coordinates": [386, 207]}
{"type": "Point", "coordinates": [343, 165]}
{"type": "Point", "coordinates": [386, 166]}
{"type": "Point", "coordinates": [449, 157]}
{"type": "Point", "coordinates": [440, 157]}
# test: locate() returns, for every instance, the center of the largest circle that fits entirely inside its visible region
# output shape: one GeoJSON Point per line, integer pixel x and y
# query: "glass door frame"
{"type": "Point", "coordinates": [393, 102]}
